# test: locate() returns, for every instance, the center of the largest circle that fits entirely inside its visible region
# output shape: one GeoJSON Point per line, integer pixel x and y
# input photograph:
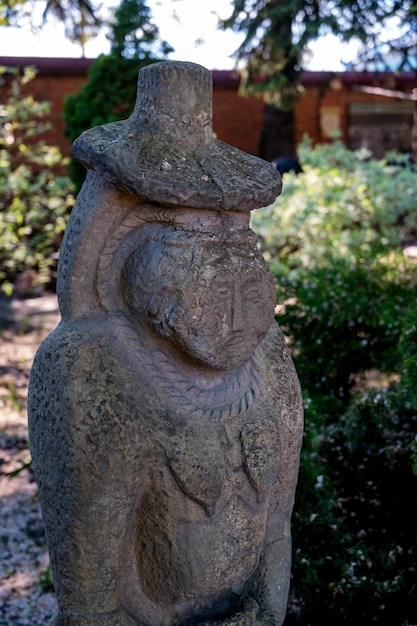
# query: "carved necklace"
{"type": "Point", "coordinates": [219, 397]}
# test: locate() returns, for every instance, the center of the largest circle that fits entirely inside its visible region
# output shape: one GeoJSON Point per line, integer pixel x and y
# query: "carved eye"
{"type": "Point", "coordinates": [223, 292]}
{"type": "Point", "coordinates": [254, 294]}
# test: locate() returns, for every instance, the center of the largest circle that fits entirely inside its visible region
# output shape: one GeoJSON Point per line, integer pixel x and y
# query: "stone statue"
{"type": "Point", "coordinates": [164, 411]}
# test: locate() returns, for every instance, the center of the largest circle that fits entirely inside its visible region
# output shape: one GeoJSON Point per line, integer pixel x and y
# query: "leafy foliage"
{"type": "Point", "coordinates": [79, 17]}
{"type": "Point", "coordinates": [277, 35]}
{"type": "Point", "coordinates": [354, 536]}
{"type": "Point", "coordinates": [275, 47]}
{"type": "Point", "coordinates": [333, 239]}
{"type": "Point", "coordinates": [347, 294]}
{"type": "Point", "coordinates": [109, 95]}
{"type": "Point", "coordinates": [34, 199]}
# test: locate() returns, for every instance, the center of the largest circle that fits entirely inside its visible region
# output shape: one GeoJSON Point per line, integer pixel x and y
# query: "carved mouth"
{"type": "Point", "coordinates": [237, 339]}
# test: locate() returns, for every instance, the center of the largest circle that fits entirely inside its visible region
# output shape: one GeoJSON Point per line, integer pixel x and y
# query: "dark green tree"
{"type": "Point", "coordinates": [109, 94]}
{"type": "Point", "coordinates": [277, 35]}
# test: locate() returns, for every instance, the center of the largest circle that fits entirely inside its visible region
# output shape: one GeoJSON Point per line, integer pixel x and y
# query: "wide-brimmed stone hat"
{"type": "Point", "coordinates": [166, 151]}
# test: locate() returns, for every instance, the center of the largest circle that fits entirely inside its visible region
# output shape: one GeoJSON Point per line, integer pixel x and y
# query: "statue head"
{"type": "Point", "coordinates": [211, 297]}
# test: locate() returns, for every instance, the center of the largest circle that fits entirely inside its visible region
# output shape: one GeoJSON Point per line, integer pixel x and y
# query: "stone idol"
{"type": "Point", "coordinates": [164, 411]}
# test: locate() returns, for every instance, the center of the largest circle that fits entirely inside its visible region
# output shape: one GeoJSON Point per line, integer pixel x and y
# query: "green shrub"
{"type": "Point", "coordinates": [347, 304]}
{"type": "Point", "coordinates": [345, 319]}
{"type": "Point", "coordinates": [354, 532]}
{"type": "Point", "coordinates": [343, 206]}
{"type": "Point", "coordinates": [334, 242]}
{"type": "Point", "coordinates": [34, 199]}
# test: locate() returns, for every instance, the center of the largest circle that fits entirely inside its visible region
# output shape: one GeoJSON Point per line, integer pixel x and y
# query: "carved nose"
{"type": "Point", "coordinates": [238, 312]}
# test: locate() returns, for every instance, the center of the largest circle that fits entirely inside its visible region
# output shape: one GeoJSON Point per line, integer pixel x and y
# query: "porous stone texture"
{"type": "Point", "coordinates": [166, 150]}
{"type": "Point", "coordinates": [164, 411]}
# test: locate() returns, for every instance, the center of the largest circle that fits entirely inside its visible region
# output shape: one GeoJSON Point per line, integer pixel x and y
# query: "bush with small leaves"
{"type": "Point", "coordinates": [34, 200]}
{"type": "Point", "coordinates": [346, 302]}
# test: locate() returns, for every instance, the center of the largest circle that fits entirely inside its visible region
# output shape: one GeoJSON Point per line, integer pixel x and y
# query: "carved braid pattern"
{"type": "Point", "coordinates": [230, 394]}
{"type": "Point", "coordinates": [107, 295]}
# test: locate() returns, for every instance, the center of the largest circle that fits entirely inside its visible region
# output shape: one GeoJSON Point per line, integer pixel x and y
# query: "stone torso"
{"type": "Point", "coordinates": [200, 523]}
{"type": "Point", "coordinates": [203, 514]}
{"type": "Point", "coordinates": [204, 462]}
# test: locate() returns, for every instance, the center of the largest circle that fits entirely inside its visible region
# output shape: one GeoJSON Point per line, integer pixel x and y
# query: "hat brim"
{"type": "Point", "coordinates": [213, 175]}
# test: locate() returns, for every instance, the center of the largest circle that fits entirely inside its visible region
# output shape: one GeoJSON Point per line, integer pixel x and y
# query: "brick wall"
{"type": "Point", "coordinates": [330, 97]}
{"type": "Point", "coordinates": [236, 120]}
{"type": "Point", "coordinates": [54, 89]}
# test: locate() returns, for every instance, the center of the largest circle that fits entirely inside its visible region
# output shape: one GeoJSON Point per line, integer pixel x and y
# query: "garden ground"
{"type": "Point", "coordinates": [26, 598]}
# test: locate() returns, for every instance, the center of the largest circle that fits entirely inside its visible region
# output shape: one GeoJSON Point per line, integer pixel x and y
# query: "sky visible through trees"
{"type": "Point", "coordinates": [190, 27]}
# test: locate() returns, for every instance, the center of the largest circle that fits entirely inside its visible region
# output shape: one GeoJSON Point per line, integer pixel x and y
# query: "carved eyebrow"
{"type": "Point", "coordinates": [223, 289]}
{"type": "Point", "coordinates": [251, 286]}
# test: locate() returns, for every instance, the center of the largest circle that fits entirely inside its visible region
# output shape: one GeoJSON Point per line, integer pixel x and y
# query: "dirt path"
{"type": "Point", "coordinates": [26, 598]}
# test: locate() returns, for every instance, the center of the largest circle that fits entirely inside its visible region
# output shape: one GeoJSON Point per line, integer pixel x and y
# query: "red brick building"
{"type": "Point", "coordinates": [332, 101]}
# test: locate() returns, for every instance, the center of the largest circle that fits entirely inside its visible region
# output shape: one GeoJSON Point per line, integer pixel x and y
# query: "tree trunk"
{"type": "Point", "coordinates": [414, 134]}
{"type": "Point", "coordinates": [278, 134]}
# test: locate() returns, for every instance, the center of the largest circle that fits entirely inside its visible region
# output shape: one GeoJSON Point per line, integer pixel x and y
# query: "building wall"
{"type": "Point", "coordinates": [237, 120]}
{"type": "Point", "coordinates": [330, 106]}
{"type": "Point", "coordinates": [323, 108]}
{"type": "Point", "coordinates": [54, 90]}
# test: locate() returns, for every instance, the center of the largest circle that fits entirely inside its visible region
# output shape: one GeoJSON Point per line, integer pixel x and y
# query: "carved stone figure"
{"type": "Point", "coordinates": [164, 411]}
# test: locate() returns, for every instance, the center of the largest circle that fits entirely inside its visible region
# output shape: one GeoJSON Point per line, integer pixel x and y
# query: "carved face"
{"type": "Point", "coordinates": [216, 303]}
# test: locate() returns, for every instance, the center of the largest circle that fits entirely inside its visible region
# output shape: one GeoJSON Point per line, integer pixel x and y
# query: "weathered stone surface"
{"type": "Point", "coordinates": [166, 150]}
{"type": "Point", "coordinates": [164, 411]}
